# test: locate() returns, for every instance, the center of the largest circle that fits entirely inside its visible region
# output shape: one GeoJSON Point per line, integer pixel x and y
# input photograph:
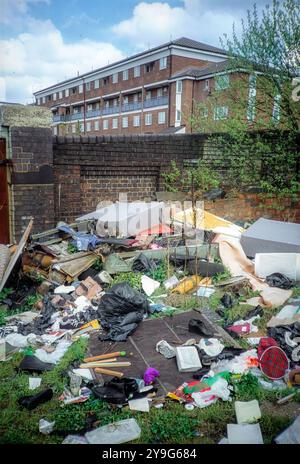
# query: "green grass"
{"type": "Point", "coordinates": [17, 425]}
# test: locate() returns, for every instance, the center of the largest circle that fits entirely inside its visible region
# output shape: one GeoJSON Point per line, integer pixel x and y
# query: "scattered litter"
{"type": "Point", "coordinates": [247, 411]}
{"type": "Point", "coordinates": [34, 382]}
{"type": "Point", "coordinates": [150, 375]}
{"type": "Point", "coordinates": [149, 285]}
{"type": "Point", "coordinates": [165, 349]}
{"type": "Point", "coordinates": [62, 289]}
{"type": "Point", "coordinates": [114, 434]}
{"type": "Point", "coordinates": [46, 427]}
{"type": "Point", "coordinates": [291, 436]}
{"type": "Point", "coordinates": [187, 359]}
{"type": "Point", "coordinates": [140, 404]}
{"type": "Point", "coordinates": [211, 346]}
{"type": "Point", "coordinates": [244, 434]}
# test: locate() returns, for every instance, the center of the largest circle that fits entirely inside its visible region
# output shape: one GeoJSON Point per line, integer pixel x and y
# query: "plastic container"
{"type": "Point", "coordinates": [116, 433]}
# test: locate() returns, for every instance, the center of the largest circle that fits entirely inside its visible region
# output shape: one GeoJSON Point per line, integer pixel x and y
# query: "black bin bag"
{"type": "Point", "coordinates": [120, 310]}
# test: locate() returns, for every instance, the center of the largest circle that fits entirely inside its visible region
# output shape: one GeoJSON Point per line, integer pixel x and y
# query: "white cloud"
{"type": "Point", "coordinates": [12, 10]}
{"type": "Point", "coordinates": [154, 23]}
{"type": "Point", "coordinates": [39, 58]}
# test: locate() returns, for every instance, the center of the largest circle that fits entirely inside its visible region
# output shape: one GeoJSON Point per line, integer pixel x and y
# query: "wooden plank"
{"type": "Point", "coordinates": [16, 254]}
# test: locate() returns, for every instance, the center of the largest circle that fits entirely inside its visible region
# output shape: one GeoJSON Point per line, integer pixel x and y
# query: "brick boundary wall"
{"type": "Point", "coordinates": [32, 181]}
{"type": "Point", "coordinates": [91, 169]}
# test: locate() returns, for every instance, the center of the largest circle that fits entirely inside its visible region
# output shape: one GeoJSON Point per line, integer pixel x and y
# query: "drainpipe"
{"type": "Point", "coordinates": [192, 108]}
{"type": "Point", "coordinates": [169, 92]}
{"type": "Point", "coordinates": [84, 108]}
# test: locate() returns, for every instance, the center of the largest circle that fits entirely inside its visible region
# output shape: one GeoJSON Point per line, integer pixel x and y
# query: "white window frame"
{"type": "Point", "coordinates": [88, 86]}
{"type": "Point", "coordinates": [115, 123]}
{"type": "Point", "coordinates": [97, 125]}
{"type": "Point", "coordinates": [90, 107]}
{"type": "Point", "coordinates": [81, 127]}
{"type": "Point", "coordinates": [178, 116]}
{"type": "Point", "coordinates": [67, 92]}
{"type": "Point", "coordinates": [137, 71]}
{"type": "Point", "coordinates": [80, 88]}
{"type": "Point", "coordinates": [54, 96]}
{"type": "Point", "coordinates": [125, 100]}
{"type": "Point", "coordinates": [251, 98]}
{"type": "Point", "coordinates": [124, 122]}
{"type": "Point", "coordinates": [125, 75]}
{"type": "Point", "coordinates": [74, 128]}
{"type": "Point", "coordinates": [220, 112]}
{"type": "Point", "coordinates": [60, 94]}
{"type": "Point", "coordinates": [135, 97]}
{"type": "Point", "coordinates": [206, 85]}
{"type": "Point", "coordinates": [159, 92]}
{"type": "Point", "coordinates": [178, 86]}
{"type": "Point", "coordinates": [222, 82]}
{"type": "Point", "coordinates": [162, 117]}
{"type": "Point", "coordinates": [148, 119]}
{"type": "Point", "coordinates": [105, 124]}
{"type": "Point", "coordinates": [163, 62]}
{"type": "Point", "coordinates": [148, 95]}
{"type": "Point", "coordinates": [115, 78]}
{"type": "Point", "coordinates": [54, 130]}
{"type": "Point", "coordinates": [97, 84]}
{"type": "Point", "coordinates": [88, 126]}
{"type": "Point", "coordinates": [136, 120]}
{"type": "Point", "coordinates": [44, 100]}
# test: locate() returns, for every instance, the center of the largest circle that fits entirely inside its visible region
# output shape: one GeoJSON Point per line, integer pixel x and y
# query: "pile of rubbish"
{"type": "Point", "coordinates": [106, 274]}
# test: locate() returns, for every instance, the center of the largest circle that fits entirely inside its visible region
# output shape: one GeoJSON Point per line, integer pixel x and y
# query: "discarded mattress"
{"type": "Point", "coordinates": [267, 236]}
{"type": "Point", "coordinates": [126, 219]}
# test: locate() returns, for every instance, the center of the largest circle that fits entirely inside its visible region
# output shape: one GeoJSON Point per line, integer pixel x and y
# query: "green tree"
{"type": "Point", "coordinates": [251, 106]}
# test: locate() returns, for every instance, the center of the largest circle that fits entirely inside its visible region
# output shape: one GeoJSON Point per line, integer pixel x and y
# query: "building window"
{"type": "Point", "coordinates": [136, 97]}
{"type": "Point", "coordinates": [204, 112]}
{"type": "Point", "coordinates": [105, 124]}
{"type": "Point", "coordinates": [178, 86]}
{"type": "Point", "coordinates": [276, 108]}
{"type": "Point", "coordinates": [73, 90]}
{"type": "Point", "coordinates": [251, 98]}
{"type": "Point", "coordinates": [148, 119]}
{"type": "Point", "coordinates": [161, 117]}
{"type": "Point", "coordinates": [125, 122]}
{"type": "Point", "coordinates": [37, 101]}
{"type": "Point", "coordinates": [178, 116]}
{"type": "Point", "coordinates": [44, 99]}
{"type": "Point", "coordinates": [96, 125]}
{"type": "Point", "coordinates": [76, 109]}
{"type": "Point", "coordinates": [49, 97]}
{"type": "Point", "coordinates": [125, 75]}
{"type": "Point", "coordinates": [159, 92]}
{"type": "Point", "coordinates": [105, 80]}
{"type": "Point", "coordinates": [115, 123]}
{"type": "Point", "coordinates": [163, 63]}
{"type": "Point", "coordinates": [206, 84]}
{"type": "Point", "coordinates": [60, 95]}
{"type": "Point", "coordinates": [220, 112]}
{"type": "Point", "coordinates": [136, 120]}
{"type": "Point", "coordinates": [115, 78]}
{"type": "Point", "coordinates": [67, 93]}
{"type": "Point", "coordinates": [125, 100]}
{"type": "Point", "coordinates": [81, 127]}
{"type": "Point", "coordinates": [149, 67]}
{"type": "Point", "coordinates": [54, 96]}
{"type": "Point", "coordinates": [115, 102]}
{"type": "Point", "coordinates": [148, 94]}
{"type": "Point", "coordinates": [88, 127]}
{"type": "Point", "coordinates": [74, 128]}
{"type": "Point", "coordinates": [96, 84]}
{"type": "Point", "coordinates": [89, 107]}
{"type": "Point", "coordinates": [222, 82]}
{"type": "Point", "coordinates": [88, 86]}
{"type": "Point", "coordinates": [80, 88]}
{"type": "Point", "coordinates": [55, 130]}
{"type": "Point", "coordinates": [137, 71]}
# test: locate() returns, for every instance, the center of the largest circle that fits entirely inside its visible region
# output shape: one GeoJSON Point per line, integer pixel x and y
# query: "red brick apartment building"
{"type": "Point", "coordinates": [148, 93]}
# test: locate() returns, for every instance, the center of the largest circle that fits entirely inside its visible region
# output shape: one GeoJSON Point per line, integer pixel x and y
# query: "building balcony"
{"type": "Point", "coordinates": [131, 106]}
{"type": "Point", "coordinates": [110, 110]}
{"type": "Point", "coordinates": [93, 113]}
{"type": "Point", "coordinates": [159, 101]}
{"type": "Point", "coordinates": [58, 117]}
